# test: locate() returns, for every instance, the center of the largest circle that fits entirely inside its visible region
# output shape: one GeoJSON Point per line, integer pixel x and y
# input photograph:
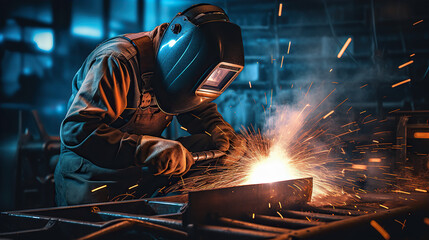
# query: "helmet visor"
{"type": "Point", "coordinates": [219, 79]}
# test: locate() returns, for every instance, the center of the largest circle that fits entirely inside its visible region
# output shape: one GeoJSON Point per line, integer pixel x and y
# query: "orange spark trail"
{"type": "Point", "coordinates": [280, 9]}
{"type": "Point", "coordinates": [341, 103]}
{"type": "Point", "coordinates": [414, 24]}
{"type": "Point", "coordinates": [308, 89]}
{"type": "Point", "coordinates": [324, 99]}
{"type": "Point", "coordinates": [380, 229]}
{"type": "Point", "coordinates": [394, 110]}
{"type": "Point", "coordinates": [327, 115]}
{"type": "Point", "coordinates": [344, 48]}
{"type": "Point", "coordinates": [96, 189]}
{"type": "Point", "coordinates": [400, 83]}
{"type": "Point", "coordinates": [406, 64]}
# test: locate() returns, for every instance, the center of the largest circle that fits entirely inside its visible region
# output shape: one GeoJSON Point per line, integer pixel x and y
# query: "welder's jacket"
{"type": "Point", "coordinates": [108, 120]}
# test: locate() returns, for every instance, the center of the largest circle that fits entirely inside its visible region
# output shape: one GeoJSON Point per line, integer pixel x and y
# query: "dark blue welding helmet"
{"type": "Point", "coordinates": [199, 55]}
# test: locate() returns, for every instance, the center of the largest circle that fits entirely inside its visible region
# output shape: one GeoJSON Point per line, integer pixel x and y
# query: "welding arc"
{"type": "Point", "coordinates": [126, 223]}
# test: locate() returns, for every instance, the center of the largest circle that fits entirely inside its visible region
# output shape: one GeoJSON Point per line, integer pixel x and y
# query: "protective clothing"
{"type": "Point", "coordinates": [111, 133]}
{"type": "Point", "coordinates": [200, 54]}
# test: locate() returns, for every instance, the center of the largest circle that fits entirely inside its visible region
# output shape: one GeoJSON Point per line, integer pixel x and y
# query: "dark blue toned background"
{"type": "Point", "coordinates": [43, 43]}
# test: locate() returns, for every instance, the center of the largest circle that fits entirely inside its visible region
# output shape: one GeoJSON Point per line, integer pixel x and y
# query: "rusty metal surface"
{"type": "Point", "coordinates": [234, 202]}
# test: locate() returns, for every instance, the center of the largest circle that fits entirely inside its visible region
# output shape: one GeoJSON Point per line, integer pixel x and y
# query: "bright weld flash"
{"type": "Point", "coordinates": [271, 169]}
{"type": "Point", "coordinates": [344, 48]}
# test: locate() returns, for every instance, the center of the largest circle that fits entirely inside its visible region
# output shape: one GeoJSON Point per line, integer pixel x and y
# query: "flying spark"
{"type": "Point", "coordinates": [375, 160]}
{"type": "Point", "coordinates": [280, 9]}
{"type": "Point", "coordinates": [400, 83]}
{"type": "Point", "coordinates": [380, 229]}
{"type": "Point", "coordinates": [344, 48]}
{"type": "Point", "coordinates": [414, 24]}
{"type": "Point", "coordinates": [406, 64]}
{"type": "Point", "coordinates": [96, 189]}
{"type": "Point", "coordinates": [327, 115]}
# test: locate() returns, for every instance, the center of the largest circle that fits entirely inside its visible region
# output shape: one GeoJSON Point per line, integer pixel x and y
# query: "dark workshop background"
{"type": "Point", "coordinates": [43, 43]}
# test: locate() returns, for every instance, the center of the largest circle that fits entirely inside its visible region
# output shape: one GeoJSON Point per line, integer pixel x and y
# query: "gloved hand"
{"type": "Point", "coordinates": [237, 149]}
{"type": "Point", "coordinates": [163, 156]}
{"type": "Point", "coordinates": [227, 140]}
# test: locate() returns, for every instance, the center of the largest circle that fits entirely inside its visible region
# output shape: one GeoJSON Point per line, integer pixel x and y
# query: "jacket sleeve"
{"type": "Point", "coordinates": [99, 102]}
{"type": "Point", "coordinates": [204, 118]}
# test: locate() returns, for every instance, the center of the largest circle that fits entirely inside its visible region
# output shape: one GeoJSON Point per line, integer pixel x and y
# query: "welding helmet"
{"type": "Point", "coordinates": [199, 55]}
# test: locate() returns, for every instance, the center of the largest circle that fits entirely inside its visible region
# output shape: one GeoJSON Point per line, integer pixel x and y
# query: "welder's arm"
{"type": "Point", "coordinates": [99, 102]}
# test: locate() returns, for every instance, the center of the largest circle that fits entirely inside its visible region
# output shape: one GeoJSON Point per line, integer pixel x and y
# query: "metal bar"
{"type": "Point", "coordinates": [252, 226]}
{"type": "Point", "coordinates": [320, 216]}
{"type": "Point", "coordinates": [171, 223]}
{"type": "Point", "coordinates": [288, 222]}
{"type": "Point", "coordinates": [207, 229]}
{"type": "Point", "coordinates": [125, 223]}
{"type": "Point", "coordinates": [21, 233]}
{"type": "Point", "coordinates": [344, 226]}
{"type": "Point", "coordinates": [108, 230]}
{"type": "Point", "coordinates": [60, 220]}
{"type": "Point", "coordinates": [229, 233]}
{"type": "Point", "coordinates": [337, 211]}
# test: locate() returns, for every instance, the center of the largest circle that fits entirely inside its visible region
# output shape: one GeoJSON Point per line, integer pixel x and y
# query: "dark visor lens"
{"type": "Point", "coordinates": [219, 78]}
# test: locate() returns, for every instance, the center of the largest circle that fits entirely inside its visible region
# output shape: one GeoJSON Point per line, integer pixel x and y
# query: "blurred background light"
{"type": "Point", "coordinates": [87, 31]}
{"type": "Point", "coordinates": [44, 39]}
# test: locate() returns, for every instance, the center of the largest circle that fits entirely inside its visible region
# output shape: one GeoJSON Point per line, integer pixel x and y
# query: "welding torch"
{"type": "Point", "coordinates": [207, 155]}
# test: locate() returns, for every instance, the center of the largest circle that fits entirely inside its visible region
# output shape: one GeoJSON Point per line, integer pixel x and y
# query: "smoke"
{"type": "Point", "coordinates": [303, 136]}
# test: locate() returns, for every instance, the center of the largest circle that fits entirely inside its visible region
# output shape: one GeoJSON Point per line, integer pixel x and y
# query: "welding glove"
{"type": "Point", "coordinates": [163, 156]}
{"type": "Point", "coordinates": [227, 140]}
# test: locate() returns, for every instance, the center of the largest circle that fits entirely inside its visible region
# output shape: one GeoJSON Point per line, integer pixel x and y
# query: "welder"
{"type": "Point", "coordinates": [127, 92]}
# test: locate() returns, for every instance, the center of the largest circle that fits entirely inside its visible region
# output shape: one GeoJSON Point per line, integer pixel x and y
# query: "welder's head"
{"type": "Point", "coordinates": [199, 55]}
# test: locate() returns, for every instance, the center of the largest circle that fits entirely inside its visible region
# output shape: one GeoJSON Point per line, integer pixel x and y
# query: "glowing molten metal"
{"type": "Point", "coordinates": [275, 167]}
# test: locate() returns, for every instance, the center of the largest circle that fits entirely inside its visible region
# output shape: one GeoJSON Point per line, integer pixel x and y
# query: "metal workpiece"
{"type": "Point", "coordinates": [234, 202]}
